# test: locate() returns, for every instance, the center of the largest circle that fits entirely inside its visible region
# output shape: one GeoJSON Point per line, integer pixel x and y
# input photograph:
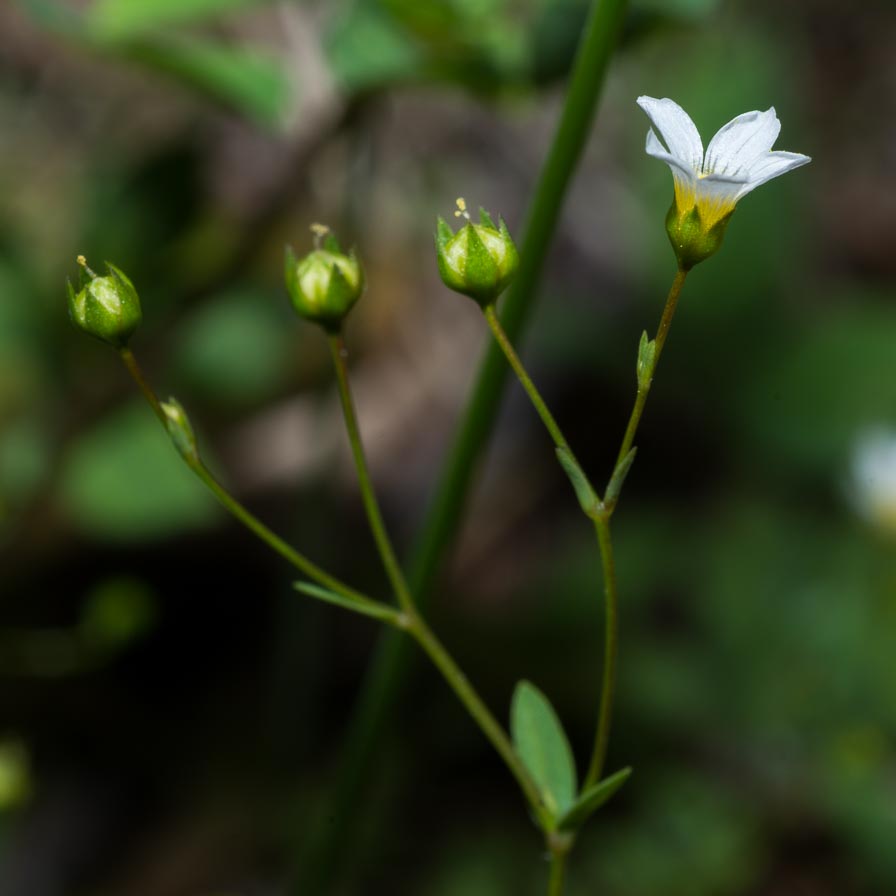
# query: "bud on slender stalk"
{"type": "Point", "coordinates": [479, 260]}
{"type": "Point", "coordinates": [326, 283]}
{"type": "Point", "coordinates": [105, 307]}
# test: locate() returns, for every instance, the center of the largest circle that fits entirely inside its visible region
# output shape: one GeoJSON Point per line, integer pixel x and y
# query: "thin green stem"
{"type": "Point", "coordinates": [251, 522]}
{"type": "Point", "coordinates": [611, 640]}
{"type": "Point", "coordinates": [481, 714]}
{"type": "Point", "coordinates": [133, 368]}
{"type": "Point", "coordinates": [558, 873]}
{"type": "Point", "coordinates": [661, 334]}
{"type": "Point", "coordinates": [516, 364]}
{"type": "Point", "coordinates": [416, 625]}
{"type": "Point", "coordinates": [368, 495]}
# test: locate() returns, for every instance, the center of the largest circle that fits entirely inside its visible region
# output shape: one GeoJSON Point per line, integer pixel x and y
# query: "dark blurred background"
{"type": "Point", "coordinates": [173, 714]}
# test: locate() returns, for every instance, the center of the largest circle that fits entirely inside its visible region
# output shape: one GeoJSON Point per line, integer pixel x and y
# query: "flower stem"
{"type": "Point", "coordinates": [611, 638]}
{"type": "Point", "coordinates": [661, 334]}
{"type": "Point", "coordinates": [558, 873]}
{"type": "Point", "coordinates": [133, 368]}
{"type": "Point", "coordinates": [415, 625]}
{"type": "Point", "coordinates": [516, 364]}
{"type": "Point", "coordinates": [368, 496]}
{"type": "Point", "coordinates": [251, 522]}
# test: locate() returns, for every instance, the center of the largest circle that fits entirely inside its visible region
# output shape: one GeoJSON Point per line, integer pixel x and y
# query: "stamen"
{"type": "Point", "coordinates": [462, 209]}
{"type": "Point", "coordinates": [319, 231]}
{"type": "Point", "coordinates": [83, 262]}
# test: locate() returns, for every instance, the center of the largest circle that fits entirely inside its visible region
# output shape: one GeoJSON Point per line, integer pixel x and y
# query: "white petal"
{"type": "Point", "coordinates": [680, 171]}
{"type": "Point", "coordinates": [737, 144]}
{"type": "Point", "coordinates": [772, 164]}
{"type": "Point", "coordinates": [676, 128]}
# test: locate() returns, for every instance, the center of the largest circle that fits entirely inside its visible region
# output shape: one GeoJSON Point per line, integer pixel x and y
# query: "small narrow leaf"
{"type": "Point", "coordinates": [542, 745]}
{"type": "Point", "coordinates": [646, 360]}
{"type": "Point", "coordinates": [356, 604]}
{"type": "Point", "coordinates": [584, 492]}
{"type": "Point", "coordinates": [617, 480]}
{"type": "Point", "coordinates": [592, 799]}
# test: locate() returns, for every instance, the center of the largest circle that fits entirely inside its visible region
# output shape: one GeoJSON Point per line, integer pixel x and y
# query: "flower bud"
{"type": "Point", "coordinates": [326, 283]}
{"type": "Point", "coordinates": [479, 260]}
{"type": "Point", "coordinates": [106, 307]}
{"type": "Point", "coordinates": [692, 241]}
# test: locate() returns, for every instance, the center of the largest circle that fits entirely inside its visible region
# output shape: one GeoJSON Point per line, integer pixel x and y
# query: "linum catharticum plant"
{"type": "Point", "coordinates": [480, 261]}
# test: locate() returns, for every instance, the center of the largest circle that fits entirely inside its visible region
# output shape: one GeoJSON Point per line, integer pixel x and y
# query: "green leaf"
{"type": "Point", "coordinates": [125, 19]}
{"type": "Point", "coordinates": [584, 492]}
{"type": "Point", "coordinates": [542, 745]}
{"type": "Point", "coordinates": [591, 800]}
{"type": "Point", "coordinates": [356, 604]}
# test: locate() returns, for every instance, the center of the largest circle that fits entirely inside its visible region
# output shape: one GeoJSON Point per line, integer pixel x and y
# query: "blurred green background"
{"type": "Point", "coordinates": [172, 714]}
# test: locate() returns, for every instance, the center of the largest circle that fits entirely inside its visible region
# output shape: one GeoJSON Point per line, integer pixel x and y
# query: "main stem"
{"type": "Point", "coordinates": [416, 625]}
{"type": "Point", "coordinates": [558, 873]}
{"type": "Point", "coordinates": [611, 640]}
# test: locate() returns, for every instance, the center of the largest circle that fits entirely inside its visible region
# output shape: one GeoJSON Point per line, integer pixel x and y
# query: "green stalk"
{"type": "Point", "coordinates": [661, 334]}
{"type": "Point", "coordinates": [558, 874]}
{"type": "Point", "coordinates": [611, 639]}
{"type": "Point", "coordinates": [387, 669]}
{"type": "Point", "coordinates": [415, 624]}
{"type": "Point", "coordinates": [368, 496]}
{"type": "Point", "coordinates": [251, 522]}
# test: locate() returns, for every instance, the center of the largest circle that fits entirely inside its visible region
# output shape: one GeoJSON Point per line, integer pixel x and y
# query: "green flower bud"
{"type": "Point", "coordinates": [106, 307]}
{"type": "Point", "coordinates": [325, 284]}
{"type": "Point", "coordinates": [479, 260]}
{"type": "Point", "coordinates": [692, 241]}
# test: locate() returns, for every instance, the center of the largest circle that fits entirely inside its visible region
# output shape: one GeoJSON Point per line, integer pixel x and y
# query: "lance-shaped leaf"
{"type": "Point", "coordinates": [584, 492]}
{"type": "Point", "coordinates": [542, 745]}
{"type": "Point", "coordinates": [591, 800]}
{"type": "Point", "coordinates": [357, 604]}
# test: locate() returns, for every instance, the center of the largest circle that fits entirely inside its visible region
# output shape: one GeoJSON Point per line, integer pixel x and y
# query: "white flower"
{"type": "Point", "coordinates": [874, 477]}
{"type": "Point", "coordinates": [737, 160]}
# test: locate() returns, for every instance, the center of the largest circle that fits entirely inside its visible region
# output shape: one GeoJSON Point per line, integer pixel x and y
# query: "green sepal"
{"type": "Point", "coordinates": [358, 605]}
{"type": "Point", "coordinates": [444, 233]}
{"type": "Point", "coordinates": [179, 429]}
{"type": "Point", "coordinates": [691, 240]}
{"type": "Point", "coordinates": [541, 744]}
{"type": "Point", "coordinates": [588, 499]}
{"type": "Point", "coordinates": [617, 480]}
{"type": "Point", "coordinates": [481, 269]}
{"type": "Point", "coordinates": [591, 800]}
{"type": "Point", "coordinates": [331, 244]}
{"type": "Point", "coordinates": [290, 265]}
{"type": "Point", "coordinates": [485, 219]}
{"type": "Point", "coordinates": [646, 361]}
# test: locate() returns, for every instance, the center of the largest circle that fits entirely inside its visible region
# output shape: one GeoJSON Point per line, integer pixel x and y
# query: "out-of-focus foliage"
{"type": "Point", "coordinates": [176, 710]}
